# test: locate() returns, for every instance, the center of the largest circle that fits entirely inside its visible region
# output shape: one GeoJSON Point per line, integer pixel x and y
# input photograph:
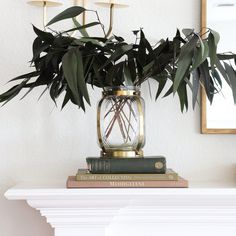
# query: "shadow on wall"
{"type": "Point", "coordinates": [17, 218]}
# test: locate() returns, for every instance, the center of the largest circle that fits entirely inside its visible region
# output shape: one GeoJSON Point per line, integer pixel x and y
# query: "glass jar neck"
{"type": "Point", "coordinates": [122, 91]}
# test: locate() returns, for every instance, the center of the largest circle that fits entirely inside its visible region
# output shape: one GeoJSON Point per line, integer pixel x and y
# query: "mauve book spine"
{"type": "Point", "coordinates": [73, 183]}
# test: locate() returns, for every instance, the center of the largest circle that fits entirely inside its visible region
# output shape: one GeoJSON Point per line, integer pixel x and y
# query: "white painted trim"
{"type": "Point", "coordinates": [114, 211]}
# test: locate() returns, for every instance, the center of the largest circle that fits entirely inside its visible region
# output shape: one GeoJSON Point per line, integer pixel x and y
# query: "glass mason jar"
{"type": "Point", "coordinates": [120, 122]}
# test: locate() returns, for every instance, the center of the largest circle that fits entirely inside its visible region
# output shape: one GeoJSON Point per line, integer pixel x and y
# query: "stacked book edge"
{"type": "Point", "coordinates": [180, 183]}
{"type": "Point", "coordinates": [149, 172]}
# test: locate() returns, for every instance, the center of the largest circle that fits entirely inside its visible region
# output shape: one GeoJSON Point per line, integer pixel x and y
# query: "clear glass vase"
{"type": "Point", "coordinates": [120, 122]}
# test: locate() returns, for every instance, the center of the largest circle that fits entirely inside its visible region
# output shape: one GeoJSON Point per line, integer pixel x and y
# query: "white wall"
{"type": "Point", "coordinates": [38, 142]}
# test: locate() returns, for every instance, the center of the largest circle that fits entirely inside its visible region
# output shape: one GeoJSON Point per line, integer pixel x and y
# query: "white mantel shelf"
{"type": "Point", "coordinates": [202, 209]}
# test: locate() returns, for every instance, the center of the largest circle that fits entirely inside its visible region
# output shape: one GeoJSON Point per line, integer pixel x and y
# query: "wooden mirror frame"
{"type": "Point", "coordinates": [204, 129]}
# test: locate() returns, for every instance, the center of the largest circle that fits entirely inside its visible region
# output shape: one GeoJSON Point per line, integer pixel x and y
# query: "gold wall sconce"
{"type": "Point", "coordinates": [44, 4]}
{"type": "Point", "coordinates": [111, 4]}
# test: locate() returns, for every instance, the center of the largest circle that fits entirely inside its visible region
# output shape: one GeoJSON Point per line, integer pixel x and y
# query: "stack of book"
{"type": "Point", "coordinates": [148, 172]}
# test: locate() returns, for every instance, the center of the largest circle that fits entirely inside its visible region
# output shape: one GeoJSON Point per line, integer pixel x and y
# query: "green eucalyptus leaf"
{"type": "Point", "coordinates": [183, 68]}
{"type": "Point", "coordinates": [164, 45]}
{"type": "Point", "coordinates": [44, 46]}
{"type": "Point", "coordinates": [232, 77]}
{"type": "Point", "coordinates": [72, 65]}
{"type": "Point", "coordinates": [207, 80]}
{"type": "Point", "coordinates": [36, 45]}
{"type": "Point", "coordinates": [9, 93]}
{"type": "Point", "coordinates": [80, 76]}
{"type": "Point", "coordinates": [83, 40]}
{"type": "Point", "coordinates": [25, 76]}
{"type": "Point", "coordinates": [212, 50]}
{"type": "Point", "coordinates": [169, 92]}
{"type": "Point", "coordinates": [142, 55]}
{"type": "Point", "coordinates": [119, 39]}
{"type": "Point", "coordinates": [45, 36]}
{"type": "Point", "coordinates": [177, 44]}
{"type": "Point", "coordinates": [111, 73]}
{"type": "Point", "coordinates": [119, 77]}
{"type": "Point", "coordinates": [53, 90]}
{"type": "Point", "coordinates": [161, 79]}
{"type": "Point", "coordinates": [188, 82]}
{"type": "Point", "coordinates": [147, 68]}
{"type": "Point", "coordinates": [132, 68]}
{"type": "Point", "coordinates": [49, 58]}
{"type": "Point", "coordinates": [8, 99]}
{"type": "Point", "coordinates": [189, 46]}
{"type": "Point", "coordinates": [88, 66]}
{"type": "Point", "coordinates": [222, 71]}
{"type": "Point", "coordinates": [80, 102]}
{"type": "Point", "coordinates": [127, 75]}
{"type": "Point", "coordinates": [196, 85]}
{"type": "Point", "coordinates": [216, 36]}
{"type": "Point", "coordinates": [184, 61]}
{"type": "Point", "coordinates": [81, 30]}
{"type": "Point", "coordinates": [216, 77]}
{"type": "Point", "coordinates": [66, 100]}
{"type": "Point", "coordinates": [29, 90]}
{"type": "Point", "coordinates": [68, 13]}
{"type": "Point", "coordinates": [202, 46]}
{"type": "Point", "coordinates": [200, 55]}
{"type": "Point", "coordinates": [118, 54]}
{"type": "Point", "coordinates": [43, 93]}
{"type": "Point", "coordinates": [12, 92]}
{"type": "Point", "coordinates": [83, 27]}
{"type": "Point", "coordinates": [183, 97]}
{"type": "Point", "coordinates": [99, 39]}
{"type": "Point", "coordinates": [187, 32]}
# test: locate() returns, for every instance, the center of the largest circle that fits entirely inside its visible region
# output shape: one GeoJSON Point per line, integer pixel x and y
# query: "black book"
{"type": "Point", "coordinates": [153, 164]}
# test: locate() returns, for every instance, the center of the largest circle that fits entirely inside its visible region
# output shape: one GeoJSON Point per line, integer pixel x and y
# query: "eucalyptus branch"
{"type": "Point", "coordinates": [128, 138]}
{"type": "Point", "coordinates": [123, 121]}
{"type": "Point", "coordinates": [111, 124]}
{"type": "Point", "coordinates": [118, 115]}
{"type": "Point", "coordinates": [102, 25]}
{"type": "Point", "coordinates": [107, 66]}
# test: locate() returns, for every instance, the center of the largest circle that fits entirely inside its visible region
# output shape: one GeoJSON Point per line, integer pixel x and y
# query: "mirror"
{"type": "Point", "coordinates": [220, 116]}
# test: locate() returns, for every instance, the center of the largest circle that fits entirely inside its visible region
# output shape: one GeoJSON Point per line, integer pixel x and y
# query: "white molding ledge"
{"type": "Point", "coordinates": [209, 210]}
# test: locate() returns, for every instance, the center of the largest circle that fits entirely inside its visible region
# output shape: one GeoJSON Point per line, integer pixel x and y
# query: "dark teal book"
{"type": "Point", "coordinates": [144, 165]}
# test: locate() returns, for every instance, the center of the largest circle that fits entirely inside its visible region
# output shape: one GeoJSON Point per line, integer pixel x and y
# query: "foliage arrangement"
{"type": "Point", "coordinates": [65, 65]}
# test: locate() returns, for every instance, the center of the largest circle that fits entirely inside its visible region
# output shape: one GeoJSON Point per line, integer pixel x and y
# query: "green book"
{"type": "Point", "coordinates": [85, 175]}
{"type": "Point", "coordinates": [144, 165]}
